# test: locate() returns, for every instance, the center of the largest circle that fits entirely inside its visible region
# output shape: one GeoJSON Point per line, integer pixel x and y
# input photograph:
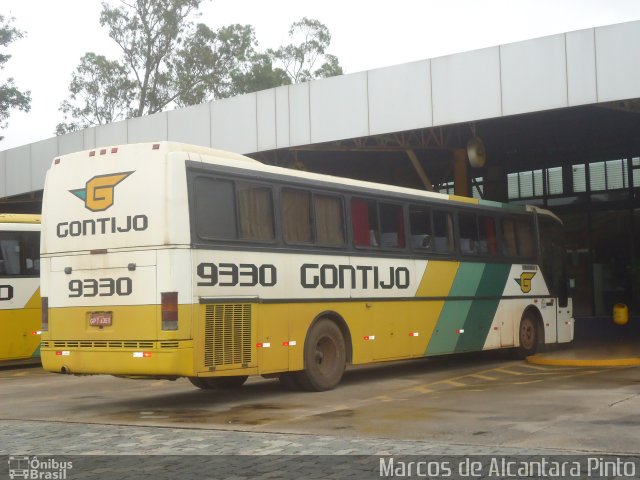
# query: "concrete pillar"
{"type": "Point", "coordinates": [460, 172]}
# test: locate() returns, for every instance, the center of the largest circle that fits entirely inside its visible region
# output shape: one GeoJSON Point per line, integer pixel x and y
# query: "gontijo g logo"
{"type": "Point", "coordinates": [525, 281]}
{"type": "Point", "coordinates": [98, 194]}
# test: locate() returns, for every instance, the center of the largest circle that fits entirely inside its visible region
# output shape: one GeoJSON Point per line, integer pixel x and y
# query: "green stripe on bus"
{"type": "Point", "coordinates": [482, 312]}
{"type": "Point", "coordinates": [454, 313]}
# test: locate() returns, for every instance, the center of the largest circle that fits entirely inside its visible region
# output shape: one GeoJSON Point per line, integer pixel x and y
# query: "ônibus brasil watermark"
{"type": "Point", "coordinates": [22, 466]}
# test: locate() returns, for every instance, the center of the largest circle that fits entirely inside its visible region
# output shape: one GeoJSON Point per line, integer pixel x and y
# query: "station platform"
{"type": "Point", "coordinates": [598, 343]}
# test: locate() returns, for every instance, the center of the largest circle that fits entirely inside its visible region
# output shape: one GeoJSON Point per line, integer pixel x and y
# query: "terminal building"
{"type": "Point", "coordinates": [553, 122]}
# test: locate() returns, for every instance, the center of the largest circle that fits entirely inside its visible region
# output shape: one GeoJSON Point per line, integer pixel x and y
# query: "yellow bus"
{"type": "Point", "coordinates": [20, 312]}
{"type": "Point", "coordinates": [166, 260]}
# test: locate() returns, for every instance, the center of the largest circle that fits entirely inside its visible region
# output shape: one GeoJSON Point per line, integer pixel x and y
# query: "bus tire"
{"type": "Point", "coordinates": [528, 335]}
{"type": "Point", "coordinates": [213, 383]}
{"type": "Point", "coordinates": [324, 357]}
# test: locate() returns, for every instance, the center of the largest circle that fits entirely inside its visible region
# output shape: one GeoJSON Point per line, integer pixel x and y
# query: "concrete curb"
{"type": "Point", "coordinates": [583, 362]}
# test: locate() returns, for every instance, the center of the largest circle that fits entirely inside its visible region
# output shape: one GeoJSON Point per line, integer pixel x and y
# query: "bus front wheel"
{"type": "Point", "coordinates": [528, 335]}
{"type": "Point", "coordinates": [324, 357]}
{"type": "Point", "coordinates": [210, 383]}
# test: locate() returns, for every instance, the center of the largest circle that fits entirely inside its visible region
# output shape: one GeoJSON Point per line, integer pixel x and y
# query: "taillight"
{"type": "Point", "coordinates": [169, 310]}
{"type": "Point", "coordinates": [45, 314]}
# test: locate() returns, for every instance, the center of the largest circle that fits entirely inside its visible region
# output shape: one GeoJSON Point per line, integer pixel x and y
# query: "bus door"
{"type": "Point", "coordinates": [554, 271]}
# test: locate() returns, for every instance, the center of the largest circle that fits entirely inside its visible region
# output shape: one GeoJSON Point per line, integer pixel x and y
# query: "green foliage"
{"type": "Point", "coordinates": [309, 42]}
{"type": "Point", "coordinates": [101, 92]}
{"type": "Point", "coordinates": [210, 62]}
{"type": "Point", "coordinates": [259, 76]}
{"type": "Point", "coordinates": [149, 33]}
{"type": "Point", "coordinates": [10, 96]}
{"type": "Point", "coordinates": [168, 61]}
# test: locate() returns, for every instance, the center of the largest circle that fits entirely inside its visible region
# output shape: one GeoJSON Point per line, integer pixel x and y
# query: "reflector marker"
{"type": "Point", "coordinates": [414, 334]}
{"type": "Point", "coordinates": [460, 330]}
{"type": "Point", "coordinates": [141, 354]}
{"type": "Point", "coordinates": [290, 343]}
{"type": "Point", "coordinates": [64, 353]}
{"type": "Point", "coordinates": [263, 345]}
{"type": "Point", "coordinates": [370, 337]}
{"type": "Point", "coordinates": [37, 332]}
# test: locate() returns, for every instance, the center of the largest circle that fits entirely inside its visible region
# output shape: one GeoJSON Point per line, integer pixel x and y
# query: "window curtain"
{"type": "Point", "coordinates": [329, 221]}
{"type": "Point", "coordinates": [296, 220]}
{"type": "Point", "coordinates": [256, 213]}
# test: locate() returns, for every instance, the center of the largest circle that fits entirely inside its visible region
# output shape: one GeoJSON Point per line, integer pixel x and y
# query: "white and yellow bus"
{"type": "Point", "coordinates": [166, 260]}
{"type": "Point", "coordinates": [19, 287]}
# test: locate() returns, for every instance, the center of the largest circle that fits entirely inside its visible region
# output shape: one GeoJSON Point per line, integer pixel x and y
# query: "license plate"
{"type": "Point", "coordinates": [100, 319]}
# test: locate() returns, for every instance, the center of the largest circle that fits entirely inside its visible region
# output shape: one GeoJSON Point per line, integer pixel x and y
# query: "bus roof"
{"type": "Point", "coordinates": [221, 157]}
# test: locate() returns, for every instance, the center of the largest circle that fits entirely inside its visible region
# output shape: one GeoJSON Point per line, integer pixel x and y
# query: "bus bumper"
{"type": "Point", "coordinates": [151, 363]}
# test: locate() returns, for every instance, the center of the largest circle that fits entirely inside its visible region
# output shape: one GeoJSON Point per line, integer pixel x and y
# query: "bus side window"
{"type": "Point", "coordinates": [391, 226]}
{"type": "Point", "coordinates": [443, 232]}
{"type": "Point", "coordinates": [469, 243]}
{"type": "Point", "coordinates": [31, 250]}
{"type": "Point", "coordinates": [10, 255]}
{"type": "Point", "coordinates": [215, 209]}
{"type": "Point", "coordinates": [296, 216]}
{"type": "Point", "coordinates": [329, 220]}
{"type": "Point", "coordinates": [255, 209]}
{"type": "Point", "coordinates": [420, 227]}
{"type": "Point", "coordinates": [364, 221]}
{"type": "Point", "coordinates": [517, 238]}
{"type": "Point", "coordinates": [509, 247]}
{"type": "Point", "coordinates": [488, 243]}
{"type": "Point", "coordinates": [525, 238]}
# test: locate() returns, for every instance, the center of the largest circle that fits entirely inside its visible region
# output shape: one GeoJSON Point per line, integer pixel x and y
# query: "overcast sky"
{"type": "Point", "coordinates": [366, 34]}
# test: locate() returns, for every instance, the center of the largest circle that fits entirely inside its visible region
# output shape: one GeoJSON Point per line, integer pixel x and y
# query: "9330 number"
{"type": "Point", "coordinates": [101, 287]}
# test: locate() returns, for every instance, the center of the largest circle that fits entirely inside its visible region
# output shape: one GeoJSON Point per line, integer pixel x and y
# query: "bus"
{"type": "Point", "coordinates": [165, 260]}
{"type": "Point", "coordinates": [19, 288]}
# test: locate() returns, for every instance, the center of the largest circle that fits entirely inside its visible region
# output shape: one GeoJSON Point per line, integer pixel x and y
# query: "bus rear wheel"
{"type": "Point", "coordinates": [211, 383]}
{"type": "Point", "coordinates": [528, 335]}
{"type": "Point", "coordinates": [324, 357]}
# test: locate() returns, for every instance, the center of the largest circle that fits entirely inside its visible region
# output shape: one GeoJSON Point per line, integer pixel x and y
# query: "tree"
{"type": "Point", "coordinates": [210, 62]}
{"type": "Point", "coordinates": [260, 75]}
{"type": "Point", "coordinates": [10, 96]}
{"type": "Point", "coordinates": [168, 61]}
{"type": "Point", "coordinates": [309, 41]}
{"type": "Point", "coordinates": [102, 90]}
{"type": "Point", "coordinates": [149, 32]}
